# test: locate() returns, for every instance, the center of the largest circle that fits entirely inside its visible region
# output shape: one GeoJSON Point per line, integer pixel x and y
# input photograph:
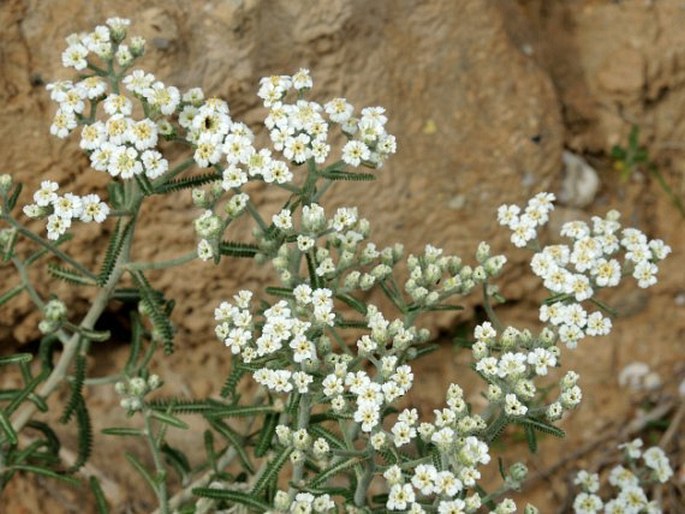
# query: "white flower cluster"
{"type": "Point", "coordinates": [286, 330]}
{"type": "Point", "coordinates": [300, 131]}
{"type": "Point", "coordinates": [575, 271]}
{"type": "Point", "coordinates": [512, 361]}
{"type": "Point", "coordinates": [524, 225]}
{"type": "Point", "coordinates": [631, 497]}
{"type": "Point", "coordinates": [454, 435]}
{"type": "Point", "coordinates": [62, 209]}
{"type": "Point", "coordinates": [120, 145]}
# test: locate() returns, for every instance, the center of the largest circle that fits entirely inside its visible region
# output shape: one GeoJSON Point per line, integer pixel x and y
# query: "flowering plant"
{"type": "Point", "coordinates": [329, 427]}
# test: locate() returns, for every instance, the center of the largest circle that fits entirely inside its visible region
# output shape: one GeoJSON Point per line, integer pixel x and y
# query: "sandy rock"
{"type": "Point", "coordinates": [615, 64]}
{"type": "Point", "coordinates": [449, 65]}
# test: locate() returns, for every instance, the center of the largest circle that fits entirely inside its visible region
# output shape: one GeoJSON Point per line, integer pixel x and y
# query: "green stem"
{"type": "Point", "coordinates": [363, 482]}
{"type": "Point", "coordinates": [161, 489]}
{"type": "Point", "coordinates": [303, 413]}
{"type": "Point", "coordinates": [319, 193]}
{"type": "Point", "coordinates": [489, 310]}
{"type": "Point", "coordinates": [256, 216]}
{"type": "Point", "coordinates": [35, 297]}
{"type": "Point", "coordinates": [179, 168]}
{"type": "Point", "coordinates": [51, 248]}
{"type": "Point", "coordinates": [71, 345]}
{"type": "Point", "coordinates": [176, 261]}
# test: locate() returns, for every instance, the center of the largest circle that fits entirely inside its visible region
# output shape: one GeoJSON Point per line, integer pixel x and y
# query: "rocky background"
{"type": "Point", "coordinates": [484, 97]}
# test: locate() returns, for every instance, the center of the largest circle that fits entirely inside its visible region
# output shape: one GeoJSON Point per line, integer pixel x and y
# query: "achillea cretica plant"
{"type": "Point", "coordinates": [330, 429]}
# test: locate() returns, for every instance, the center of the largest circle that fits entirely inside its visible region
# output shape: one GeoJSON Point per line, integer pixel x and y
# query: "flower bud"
{"type": "Point", "coordinates": [483, 252]}
{"type": "Point", "coordinates": [137, 46]}
{"type": "Point", "coordinates": [5, 183]}
{"type": "Point", "coordinates": [55, 311]}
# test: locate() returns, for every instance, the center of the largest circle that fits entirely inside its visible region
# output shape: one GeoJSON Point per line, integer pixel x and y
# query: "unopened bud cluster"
{"type": "Point", "coordinates": [134, 390]}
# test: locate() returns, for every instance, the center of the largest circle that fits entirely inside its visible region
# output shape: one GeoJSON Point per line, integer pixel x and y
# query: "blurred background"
{"type": "Point", "coordinates": [491, 101]}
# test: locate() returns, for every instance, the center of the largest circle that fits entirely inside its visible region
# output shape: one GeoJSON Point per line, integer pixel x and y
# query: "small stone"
{"type": "Point", "coordinates": [580, 184]}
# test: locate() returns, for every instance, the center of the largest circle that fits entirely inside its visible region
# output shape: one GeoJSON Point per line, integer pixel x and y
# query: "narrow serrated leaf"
{"type": "Point", "coordinates": [45, 472]}
{"type": "Point", "coordinates": [352, 302]}
{"type": "Point", "coordinates": [282, 292]}
{"type": "Point", "coordinates": [70, 275]}
{"type": "Point", "coordinates": [333, 470]}
{"type": "Point", "coordinates": [138, 466]}
{"type": "Point", "coordinates": [347, 175]}
{"type": "Point", "coordinates": [159, 319]}
{"type": "Point", "coordinates": [122, 431]}
{"type": "Point", "coordinates": [85, 436]}
{"type": "Point", "coordinates": [100, 501]}
{"type": "Point", "coordinates": [239, 411]}
{"type": "Point", "coordinates": [7, 429]}
{"type": "Point", "coordinates": [531, 438]}
{"type": "Point", "coordinates": [272, 470]}
{"type": "Point", "coordinates": [542, 426]}
{"type": "Point", "coordinates": [76, 388]}
{"type": "Point", "coordinates": [232, 496]}
{"type": "Point", "coordinates": [12, 200]}
{"type": "Point", "coordinates": [235, 249]}
{"type": "Point", "coordinates": [266, 434]}
{"type": "Point", "coordinates": [177, 459]}
{"type": "Point", "coordinates": [11, 293]}
{"type": "Point", "coordinates": [168, 419]}
{"type": "Point", "coordinates": [236, 441]}
{"type": "Point", "coordinates": [187, 183]}
{"type": "Point", "coordinates": [16, 359]}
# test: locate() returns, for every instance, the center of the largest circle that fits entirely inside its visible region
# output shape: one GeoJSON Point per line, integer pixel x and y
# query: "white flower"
{"type": "Point", "coordinates": [606, 273]}
{"type": "Point", "coordinates": [424, 478]}
{"type": "Point", "coordinates": [117, 104]}
{"type": "Point", "coordinates": [446, 483]}
{"type": "Point", "coordinates": [588, 481]}
{"type": "Point", "coordinates": [297, 148]}
{"type": "Point", "coordinates": [283, 220]}
{"type": "Point", "coordinates": [205, 250]}
{"type": "Point", "coordinates": [63, 123]}
{"type": "Point", "coordinates": [67, 206]}
{"type": "Point", "coordinates": [302, 80]}
{"type": "Point", "coordinates": [339, 110]}
{"type": "Point", "coordinates": [46, 194]}
{"type": "Point", "coordinates": [57, 226]}
{"type": "Point", "coordinates": [367, 414]}
{"type": "Point", "coordinates": [403, 433]}
{"type": "Point", "coordinates": [93, 209]}
{"type": "Point", "coordinates": [513, 407]}
{"type": "Point", "coordinates": [598, 325]}
{"type": "Point", "coordinates": [400, 497]}
{"type": "Point", "coordinates": [138, 81]}
{"type": "Point", "coordinates": [633, 449]}
{"type": "Point", "coordinates": [523, 231]}
{"type": "Point", "coordinates": [645, 274]}
{"type": "Point", "coordinates": [541, 359]}
{"type": "Point", "coordinates": [75, 56]}
{"type": "Point", "coordinates": [166, 99]}
{"type": "Point", "coordinates": [93, 135]}
{"type": "Point", "coordinates": [155, 165]}
{"type": "Point", "coordinates": [354, 152]}
{"type": "Point", "coordinates": [143, 134]}
{"type": "Point", "coordinates": [587, 504]}
{"type": "Point", "coordinates": [124, 162]}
